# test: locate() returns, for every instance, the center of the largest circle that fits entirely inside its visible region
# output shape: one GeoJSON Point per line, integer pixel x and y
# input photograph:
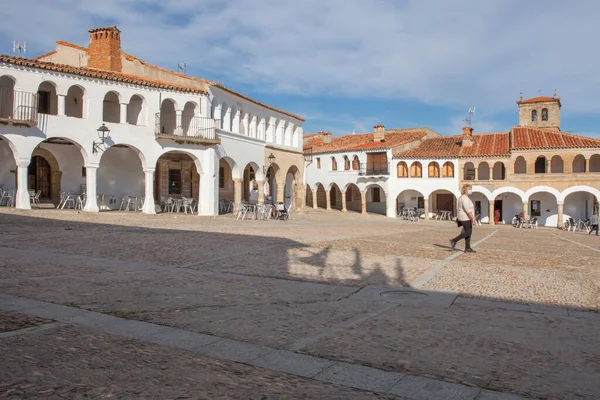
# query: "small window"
{"type": "Point", "coordinates": [534, 115]}
{"type": "Point", "coordinates": [221, 177]}
{"type": "Point", "coordinates": [174, 181]}
{"type": "Point", "coordinates": [536, 208]}
{"type": "Point", "coordinates": [83, 172]}
{"type": "Point", "coordinates": [355, 163]}
{"type": "Point", "coordinates": [544, 114]}
{"type": "Point", "coordinates": [376, 195]}
{"type": "Point", "coordinates": [318, 163]}
{"type": "Point", "coordinates": [421, 202]}
{"type": "Point", "coordinates": [346, 163]}
{"type": "Point", "coordinates": [333, 164]}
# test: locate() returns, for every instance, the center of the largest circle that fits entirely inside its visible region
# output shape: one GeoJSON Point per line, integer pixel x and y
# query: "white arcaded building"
{"type": "Point", "coordinates": [170, 134]}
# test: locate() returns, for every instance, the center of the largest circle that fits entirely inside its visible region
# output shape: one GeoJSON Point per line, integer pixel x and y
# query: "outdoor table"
{"type": "Point", "coordinates": [102, 199]}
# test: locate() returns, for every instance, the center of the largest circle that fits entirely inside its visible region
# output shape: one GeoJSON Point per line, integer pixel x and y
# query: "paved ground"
{"type": "Point", "coordinates": [519, 317]}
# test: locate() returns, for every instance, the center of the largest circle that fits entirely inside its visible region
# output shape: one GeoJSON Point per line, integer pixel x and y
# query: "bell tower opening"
{"type": "Point", "coordinates": [540, 112]}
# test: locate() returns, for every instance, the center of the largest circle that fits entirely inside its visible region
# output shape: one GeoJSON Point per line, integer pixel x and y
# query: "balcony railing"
{"type": "Point", "coordinates": [185, 128]}
{"type": "Point", "coordinates": [373, 170]}
{"type": "Point", "coordinates": [18, 107]}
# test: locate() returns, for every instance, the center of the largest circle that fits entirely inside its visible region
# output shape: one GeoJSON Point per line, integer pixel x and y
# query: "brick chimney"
{"type": "Point", "coordinates": [104, 51]}
{"type": "Point", "coordinates": [378, 133]}
{"type": "Point", "coordinates": [326, 137]}
{"type": "Point", "coordinates": [467, 137]}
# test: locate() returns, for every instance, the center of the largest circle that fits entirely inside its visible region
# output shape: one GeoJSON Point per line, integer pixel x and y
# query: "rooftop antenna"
{"type": "Point", "coordinates": [19, 47]}
{"type": "Point", "coordinates": [181, 68]}
{"type": "Point", "coordinates": [540, 92]}
{"type": "Point", "coordinates": [469, 116]}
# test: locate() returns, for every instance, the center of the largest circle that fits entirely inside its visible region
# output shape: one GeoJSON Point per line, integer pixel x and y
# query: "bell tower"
{"type": "Point", "coordinates": [540, 112]}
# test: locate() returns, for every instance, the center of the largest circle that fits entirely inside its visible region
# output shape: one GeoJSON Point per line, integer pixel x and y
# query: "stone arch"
{"type": "Point", "coordinates": [410, 198]}
{"type": "Point", "coordinates": [469, 171]}
{"type": "Point", "coordinates": [179, 169]}
{"type": "Point", "coordinates": [235, 170]}
{"type": "Point", "coordinates": [353, 197]}
{"type": "Point", "coordinates": [111, 107]}
{"type": "Point", "coordinates": [442, 200]}
{"type": "Point", "coordinates": [509, 189]}
{"type": "Point", "coordinates": [335, 196]}
{"type": "Point", "coordinates": [538, 189]}
{"type": "Point", "coordinates": [541, 165]}
{"type": "Point", "coordinates": [136, 110]}
{"type": "Point", "coordinates": [595, 163]}
{"type": "Point", "coordinates": [520, 165]}
{"type": "Point", "coordinates": [498, 171]}
{"type": "Point", "coordinates": [579, 163]}
{"type": "Point", "coordinates": [55, 172]}
{"type": "Point", "coordinates": [579, 188]}
{"type": "Point", "coordinates": [376, 198]}
{"type": "Point", "coordinates": [121, 172]}
{"type": "Point", "coordinates": [74, 101]}
{"type": "Point", "coordinates": [321, 195]}
{"type": "Point", "coordinates": [292, 191]}
{"type": "Point", "coordinates": [483, 171]}
{"type": "Point", "coordinates": [486, 192]}
{"type": "Point", "coordinates": [557, 166]}
{"type": "Point", "coordinates": [309, 197]}
{"type": "Point", "coordinates": [143, 159]}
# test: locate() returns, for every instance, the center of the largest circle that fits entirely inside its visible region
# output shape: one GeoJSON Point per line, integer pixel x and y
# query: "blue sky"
{"type": "Point", "coordinates": [350, 64]}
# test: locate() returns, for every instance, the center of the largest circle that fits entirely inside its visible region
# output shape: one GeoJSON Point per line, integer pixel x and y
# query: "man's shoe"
{"type": "Point", "coordinates": [453, 244]}
{"type": "Point", "coordinates": [470, 250]}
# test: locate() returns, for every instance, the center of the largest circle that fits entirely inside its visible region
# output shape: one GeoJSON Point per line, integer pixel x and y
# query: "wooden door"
{"type": "Point", "coordinates": [43, 176]}
{"type": "Point", "coordinates": [445, 202]}
{"type": "Point", "coordinates": [377, 163]}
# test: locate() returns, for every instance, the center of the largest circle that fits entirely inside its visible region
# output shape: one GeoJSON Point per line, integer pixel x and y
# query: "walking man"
{"type": "Point", "coordinates": [465, 218]}
{"type": "Point", "coordinates": [594, 223]}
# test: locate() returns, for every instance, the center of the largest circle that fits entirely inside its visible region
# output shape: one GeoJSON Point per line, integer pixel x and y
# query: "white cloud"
{"type": "Point", "coordinates": [458, 53]}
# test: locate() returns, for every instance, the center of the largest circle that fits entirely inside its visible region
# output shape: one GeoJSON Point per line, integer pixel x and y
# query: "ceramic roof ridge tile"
{"type": "Point", "coordinates": [525, 137]}
{"type": "Point", "coordinates": [96, 73]}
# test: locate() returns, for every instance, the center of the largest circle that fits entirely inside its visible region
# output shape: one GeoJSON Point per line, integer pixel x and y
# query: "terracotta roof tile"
{"type": "Point", "coordinates": [485, 145]}
{"type": "Point", "coordinates": [525, 138]}
{"type": "Point", "coordinates": [363, 141]}
{"type": "Point", "coordinates": [539, 99]}
{"type": "Point", "coordinates": [100, 74]}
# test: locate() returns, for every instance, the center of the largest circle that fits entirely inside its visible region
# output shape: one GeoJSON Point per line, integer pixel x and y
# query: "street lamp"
{"type": "Point", "coordinates": [271, 158]}
{"type": "Point", "coordinates": [103, 133]}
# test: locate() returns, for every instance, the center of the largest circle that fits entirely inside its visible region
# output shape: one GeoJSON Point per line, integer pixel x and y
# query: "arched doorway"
{"type": "Point", "coordinates": [482, 206]}
{"type": "Point", "coordinates": [353, 198]}
{"type": "Point", "coordinates": [506, 206]}
{"type": "Point", "coordinates": [321, 196]}
{"type": "Point", "coordinates": [579, 205]}
{"type": "Point", "coordinates": [249, 184]}
{"type": "Point", "coordinates": [271, 182]}
{"type": "Point", "coordinates": [543, 205]}
{"type": "Point", "coordinates": [411, 199]}
{"type": "Point", "coordinates": [120, 175]}
{"type": "Point", "coordinates": [376, 199]}
{"type": "Point", "coordinates": [442, 202]}
{"type": "Point", "coordinates": [335, 197]}
{"type": "Point", "coordinates": [8, 166]}
{"type": "Point", "coordinates": [44, 174]}
{"type": "Point", "coordinates": [176, 177]}
{"type": "Point", "coordinates": [226, 187]}
{"type": "Point", "coordinates": [309, 197]}
{"type": "Point", "coordinates": [292, 192]}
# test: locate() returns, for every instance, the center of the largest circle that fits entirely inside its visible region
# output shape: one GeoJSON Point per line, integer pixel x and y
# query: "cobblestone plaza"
{"type": "Point", "coordinates": [327, 305]}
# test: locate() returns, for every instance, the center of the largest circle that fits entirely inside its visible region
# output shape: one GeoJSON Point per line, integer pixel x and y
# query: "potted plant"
{"type": "Point", "coordinates": [496, 217]}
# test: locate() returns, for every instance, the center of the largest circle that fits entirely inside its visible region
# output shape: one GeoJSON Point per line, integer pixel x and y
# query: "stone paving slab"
{"type": "Point", "coordinates": [292, 363]}
{"type": "Point", "coordinates": [418, 388]}
{"type": "Point", "coordinates": [260, 356]}
{"type": "Point", "coordinates": [11, 321]}
{"type": "Point", "coordinates": [490, 395]}
{"type": "Point", "coordinates": [77, 363]}
{"type": "Point", "coordinates": [360, 377]}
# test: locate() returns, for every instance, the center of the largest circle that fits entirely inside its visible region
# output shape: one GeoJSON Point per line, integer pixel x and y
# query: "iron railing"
{"type": "Point", "coordinates": [18, 105]}
{"type": "Point", "coordinates": [185, 126]}
{"type": "Point", "coordinates": [370, 169]}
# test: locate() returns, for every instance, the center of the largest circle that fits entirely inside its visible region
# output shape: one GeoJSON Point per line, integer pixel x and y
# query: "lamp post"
{"type": "Point", "coordinates": [271, 158]}
{"type": "Point", "coordinates": [103, 133]}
